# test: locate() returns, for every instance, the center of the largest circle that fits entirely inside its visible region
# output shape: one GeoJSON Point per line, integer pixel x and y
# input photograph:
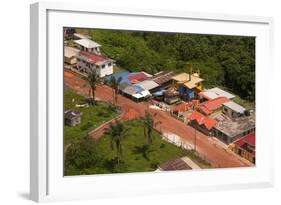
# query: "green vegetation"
{"type": "Point", "coordinates": [92, 116]}
{"type": "Point", "coordinates": [137, 156]}
{"type": "Point", "coordinates": [93, 80]}
{"type": "Point", "coordinates": [224, 61]}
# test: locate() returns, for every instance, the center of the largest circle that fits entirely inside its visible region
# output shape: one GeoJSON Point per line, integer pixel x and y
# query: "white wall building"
{"type": "Point", "coordinates": [90, 61]}
{"type": "Point", "coordinates": [88, 45]}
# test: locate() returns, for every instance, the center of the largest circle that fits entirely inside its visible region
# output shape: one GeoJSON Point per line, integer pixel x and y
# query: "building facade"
{"type": "Point", "coordinates": [88, 61]}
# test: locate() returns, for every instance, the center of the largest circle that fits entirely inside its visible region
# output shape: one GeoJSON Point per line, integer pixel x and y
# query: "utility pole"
{"type": "Point", "coordinates": [194, 139]}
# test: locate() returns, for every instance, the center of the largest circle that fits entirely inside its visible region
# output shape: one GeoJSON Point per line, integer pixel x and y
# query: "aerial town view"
{"type": "Point", "coordinates": [137, 101]}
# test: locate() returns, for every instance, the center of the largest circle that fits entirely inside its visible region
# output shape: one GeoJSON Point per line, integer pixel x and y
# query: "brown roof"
{"type": "Point", "coordinates": [175, 164]}
{"type": "Point", "coordinates": [163, 77]}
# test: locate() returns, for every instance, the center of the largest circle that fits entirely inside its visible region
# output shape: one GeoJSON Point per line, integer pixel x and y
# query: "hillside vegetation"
{"type": "Point", "coordinates": [224, 61]}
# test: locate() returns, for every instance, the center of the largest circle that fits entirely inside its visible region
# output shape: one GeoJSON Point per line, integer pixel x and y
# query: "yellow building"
{"type": "Point", "coordinates": [188, 84]}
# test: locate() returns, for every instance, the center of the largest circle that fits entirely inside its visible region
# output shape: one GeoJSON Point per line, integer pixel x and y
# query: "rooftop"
{"type": "Point", "coordinates": [212, 105]}
{"type": "Point", "coordinates": [162, 77]}
{"type": "Point", "coordinates": [81, 36]}
{"type": "Point", "coordinates": [208, 122]}
{"type": "Point", "coordinates": [235, 127]}
{"type": "Point", "coordinates": [188, 80]}
{"type": "Point", "coordinates": [87, 43]}
{"type": "Point", "coordinates": [175, 164]}
{"type": "Point", "coordinates": [249, 139]}
{"type": "Point", "coordinates": [216, 92]}
{"type": "Point", "coordinates": [148, 84]}
{"type": "Point", "coordinates": [234, 106]}
{"type": "Point", "coordinates": [92, 57]}
{"type": "Point", "coordinates": [70, 51]}
{"type": "Point", "coordinates": [137, 77]}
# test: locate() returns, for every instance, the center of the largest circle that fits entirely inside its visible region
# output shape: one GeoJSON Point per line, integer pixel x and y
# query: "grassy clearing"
{"type": "Point", "coordinates": [92, 116]}
{"type": "Point", "coordinates": [134, 159]}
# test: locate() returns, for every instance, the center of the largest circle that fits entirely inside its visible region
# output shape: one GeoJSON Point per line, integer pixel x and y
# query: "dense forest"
{"type": "Point", "coordinates": [225, 61]}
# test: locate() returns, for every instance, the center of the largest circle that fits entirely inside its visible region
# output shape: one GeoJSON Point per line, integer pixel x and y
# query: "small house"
{"type": "Point", "coordinates": [70, 54]}
{"type": "Point", "coordinates": [230, 130]}
{"type": "Point", "coordinates": [88, 45]}
{"type": "Point", "coordinates": [212, 106]}
{"type": "Point", "coordinates": [72, 118]}
{"type": "Point", "coordinates": [189, 85]}
{"type": "Point", "coordinates": [245, 147]}
{"type": "Point", "coordinates": [213, 93]}
{"type": "Point", "coordinates": [233, 110]}
{"type": "Point", "coordinates": [87, 61]}
{"type": "Point", "coordinates": [201, 122]}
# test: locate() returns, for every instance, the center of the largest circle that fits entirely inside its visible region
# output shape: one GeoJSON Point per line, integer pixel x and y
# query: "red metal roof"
{"type": "Point", "coordinates": [248, 139]}
{"type": "Point", "coordinates": [185, 106]}
{"type": "Point", "coordinates": [208, 122]}
{"type": "Point", "coordinates": [137, 78]}
{"type": "Point", "coordinates": [211, 105]}
{"type": "Point", "coordinates": [92, 57]}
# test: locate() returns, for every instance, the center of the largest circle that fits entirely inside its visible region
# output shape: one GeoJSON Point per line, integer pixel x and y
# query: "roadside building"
{"type": "Point", "coordinates": [72, 118]}
{"type": "Point", "coordinates": [171, 96]}
{"type": "Point", "coordinates": [174, 165]}
{"type": "Point", "coordinates": [87, 61]}
{"type": "Point", "coordinates": [245, 147]}
{"type": "Point", "coordinates": [149, 85]}
{"type": "Point", "coordinates": [202, 123]}
{"type": "Point", "coordinates": [70, 54]}
{"type": "Point", "coordinates": [213, 93]}
{"type": "Point", "coordinates": [88, 45]}
{"type": "Point", "coordinates": [137, 77]}
{"type": "Point", "coordinates": [189, 85]}
{"type": "Point", "coordinates": [230, 130]}
{"type": "Point", "coordinates": [233, 110]}
{"type": "Point", "coordinates": [183, 163]}
{"type": "Point", "coordinates": [163, 79]}
{"type": "Point", "coordinates": [213, 106]}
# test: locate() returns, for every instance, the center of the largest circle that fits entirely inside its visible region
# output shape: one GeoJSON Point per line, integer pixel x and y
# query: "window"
{"type": "Point", "coordinates": [103, 66]}
{"type": "Point", "coordinates": [109, 64]}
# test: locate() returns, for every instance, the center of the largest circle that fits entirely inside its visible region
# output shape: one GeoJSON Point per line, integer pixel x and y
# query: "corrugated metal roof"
{"type": "Point", "coordinates": [234, 106]}
{"type": "Point", "coordinates": [148, 84]}
{"type": "Point", "coordinates": [87, 43]}
{"type": "Point", "coordinates": [221, 93]}
{"type": "Point", "coordinates": [211, 105]}
{"type": "Point", "coordinates": [70, 51]}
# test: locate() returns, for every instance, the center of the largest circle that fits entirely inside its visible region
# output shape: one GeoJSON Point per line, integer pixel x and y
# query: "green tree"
{"type": "Point", "coordinates": [148, 125]}
{"type": "Point", "coordinates": [117, 132]}
{"type": "Point", "coordinates": [115, 85]}
{"type": "Point", "coordinates": [83, 154]}
{"type": "Point", "coordinates": [94, 80]}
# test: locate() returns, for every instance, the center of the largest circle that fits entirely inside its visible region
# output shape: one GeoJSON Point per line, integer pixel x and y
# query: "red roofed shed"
{"type": "Point", "coordinates": [208, 122]}
{"type": "Point", "coordinates": [137, 78]}
{"type": "Point", "coordinates": [210, 106]}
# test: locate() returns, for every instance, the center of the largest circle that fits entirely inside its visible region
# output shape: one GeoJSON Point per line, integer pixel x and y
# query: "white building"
{"type": "Point", "coordinates": [216, 92]}
{"type": "Point", "coordinates": [91, 61]}
{"type": "Point", "coordinates": [88, 45]}
{"type": "Point", "coordinates": [70, 54]}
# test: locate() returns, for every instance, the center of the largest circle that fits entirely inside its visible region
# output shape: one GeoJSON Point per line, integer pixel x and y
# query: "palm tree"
{"type": "Point", "coordinates": [115, 85]}
{"type": "Point", "coordinates": [117, 132]}
{"type": "Point", "coordinates": [93, 80]}
{"type": "Point", "coordinates": [149, 124]}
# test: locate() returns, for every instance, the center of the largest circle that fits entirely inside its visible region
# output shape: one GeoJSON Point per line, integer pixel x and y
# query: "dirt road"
{"type": "Point", "coordinates": [216, 155]}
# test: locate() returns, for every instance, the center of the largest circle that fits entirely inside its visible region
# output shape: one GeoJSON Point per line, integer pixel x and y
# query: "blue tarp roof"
{"type": "Point", "coordinates": [159, 93]}
{"type": "Point", "coordinates": [124, 75]}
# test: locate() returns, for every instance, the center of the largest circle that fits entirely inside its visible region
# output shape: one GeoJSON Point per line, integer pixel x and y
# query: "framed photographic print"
{"type": "Point", "coordinates": [127, 102]}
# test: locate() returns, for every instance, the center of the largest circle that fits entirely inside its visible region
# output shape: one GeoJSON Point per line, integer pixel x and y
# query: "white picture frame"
{"type": "Point", "coordinates": [47, 182]}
